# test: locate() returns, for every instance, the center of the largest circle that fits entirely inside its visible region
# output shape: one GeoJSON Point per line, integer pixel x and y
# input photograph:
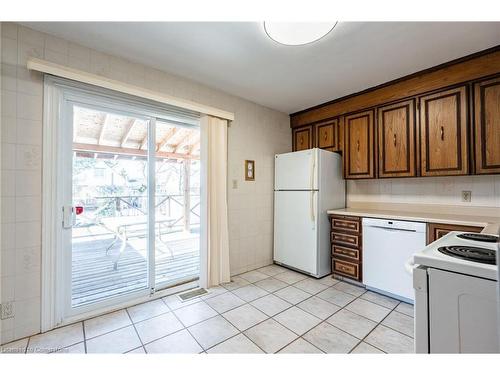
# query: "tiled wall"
{"type": "Point", "coordinates": [257, 134]}
{"type": "Point", "coordinates": [427, 190]}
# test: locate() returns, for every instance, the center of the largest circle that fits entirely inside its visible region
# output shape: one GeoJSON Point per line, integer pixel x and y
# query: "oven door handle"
{"type": "Point", "coordinates": [410, 266]}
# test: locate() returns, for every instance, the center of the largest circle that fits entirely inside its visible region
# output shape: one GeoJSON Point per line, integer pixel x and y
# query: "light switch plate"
{"type": "Point", "coordinates": [235, 184]}
{"type": "Point", "coordinates": [466, 195]}
{"type": "Point", "coordinates": [7, 310]}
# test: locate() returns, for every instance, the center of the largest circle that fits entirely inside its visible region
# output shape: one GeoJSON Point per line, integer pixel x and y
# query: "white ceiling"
{"type": "Point", "coordinates": [240, 59]}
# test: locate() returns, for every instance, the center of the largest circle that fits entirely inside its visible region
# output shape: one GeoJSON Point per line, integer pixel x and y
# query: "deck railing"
{"type": "Point", "coordinates": [171, 205]}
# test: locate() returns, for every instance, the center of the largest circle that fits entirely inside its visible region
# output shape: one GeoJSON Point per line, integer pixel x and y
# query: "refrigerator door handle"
{"type": "Point", "coordinates": [313, 216]}
{"type": "Point", "coordinates": [313, 167]}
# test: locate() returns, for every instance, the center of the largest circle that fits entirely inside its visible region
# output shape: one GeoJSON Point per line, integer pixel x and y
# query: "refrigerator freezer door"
{"type": "Point", "coordinates": [296, 230]}
{"type": "Point", "coordinates": [296, 170]}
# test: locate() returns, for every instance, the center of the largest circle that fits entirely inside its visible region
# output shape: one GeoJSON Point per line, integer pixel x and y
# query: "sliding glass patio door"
{"type": "Point", "coordinates": [131, 200]}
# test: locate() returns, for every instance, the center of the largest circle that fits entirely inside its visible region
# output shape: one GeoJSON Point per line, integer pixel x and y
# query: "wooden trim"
{"type": "Point", "coordinates": [96, 80]}
{"type": "Point", "coordinates": [467, 68]}
{"type": "Point", "coordinates": [479, 131]}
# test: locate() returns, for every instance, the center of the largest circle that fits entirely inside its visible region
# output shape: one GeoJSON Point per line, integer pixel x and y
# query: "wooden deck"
{"type": "Point", "coordinates": [94, 279]}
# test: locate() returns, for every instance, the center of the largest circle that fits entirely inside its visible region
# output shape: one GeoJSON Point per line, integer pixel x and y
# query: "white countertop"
{"type": "Point", "coordinates": [491, 223]}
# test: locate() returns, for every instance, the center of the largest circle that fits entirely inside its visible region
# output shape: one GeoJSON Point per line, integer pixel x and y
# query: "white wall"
{"type": "Point", "coordinates": [257, 134]}
{"type": "Point", "coordinates": [427, 190]}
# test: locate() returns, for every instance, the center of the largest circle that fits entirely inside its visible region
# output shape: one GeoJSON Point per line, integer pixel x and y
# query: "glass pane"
{"type": "Point", "coordinates": [177, 211]}
{"type": "Point", "coordinates": [109, 236]}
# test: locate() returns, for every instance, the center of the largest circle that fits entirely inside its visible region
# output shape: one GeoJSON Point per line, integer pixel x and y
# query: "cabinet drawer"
{"type": "Point", "coordinates": [436, 231]}
{"type": "Point", "coordinates": [345, 252]}
{"type": "Point", "coordinates": [345, 239]}
{"type": "Point", "coordinates": [350, 225]}
{"type": "Point", "coordinates": [347, 269]}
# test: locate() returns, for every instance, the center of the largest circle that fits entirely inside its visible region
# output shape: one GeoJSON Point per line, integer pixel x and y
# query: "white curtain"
{"type": "Point", "coordinates": [217, 249]}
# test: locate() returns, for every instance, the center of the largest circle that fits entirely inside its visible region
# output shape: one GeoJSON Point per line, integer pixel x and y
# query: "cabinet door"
{"type": "Point", "coordinates": [436, 231]}
{"type": "Point", "coordinates": [327, 135]}
{"type": "Point", "coordinates": [487, 126]}
{"type": "Point", "coordinates": [396, 140]}
{"type": "Point", "coordinates": [358, 148]}
{"type": "Point", "coordinates": [302, 138]}
{"type": "Point", "coordinates": [443, 129]}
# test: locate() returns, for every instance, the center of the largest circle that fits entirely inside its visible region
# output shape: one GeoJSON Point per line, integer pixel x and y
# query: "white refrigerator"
{"type": "Point", "coordinates": [306, 184]}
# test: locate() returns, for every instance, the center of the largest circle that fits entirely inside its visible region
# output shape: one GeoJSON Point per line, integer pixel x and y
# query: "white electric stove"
{"type": "Point", "coordinates": [456, 298]}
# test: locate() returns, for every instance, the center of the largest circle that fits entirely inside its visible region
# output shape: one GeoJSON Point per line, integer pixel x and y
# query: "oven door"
{"type": "Point", "coordinates": [421, 308]}
{"type": "Point", "coordinates": [462, 313]}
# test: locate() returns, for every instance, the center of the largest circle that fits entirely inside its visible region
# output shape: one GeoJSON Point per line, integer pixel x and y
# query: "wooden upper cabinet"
{"type": "Point", "coordinates": [396, 140]}
{"type": "Point", "coordinates": [326, 135]}
{"type": "Point", "coordinates": [302, 138]}
{"type": "Point", "coordinates": [443, 129]}
{"type": "Point", "coordinates": [358, 146]}
{"type": "Point", "coordinates": [487, 126]}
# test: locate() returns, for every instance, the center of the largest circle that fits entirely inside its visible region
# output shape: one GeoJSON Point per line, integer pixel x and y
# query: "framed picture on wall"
{"type": "Point", "coordinates": [249, 170]}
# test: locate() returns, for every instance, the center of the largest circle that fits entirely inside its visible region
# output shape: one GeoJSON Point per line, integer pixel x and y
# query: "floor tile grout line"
{"type": "Point", "coordinates": [397, 330]}
{"type": "Point", "coordinates": [188, 331]}
{"type": "Point", "coordinates": [373, 329]}
{"type": "Point", "coordinates": [27, 345]}
{"type": "Point", "coordinates": [135, 329]}
{"type": "Point", "coordinates": [229, 338]}
{"type": "Point", "coordinates": [297, 339]}
{"type": "Point", "coordinates": [105, 333]}
{"type": "Point", "coordinates": [84, 337]}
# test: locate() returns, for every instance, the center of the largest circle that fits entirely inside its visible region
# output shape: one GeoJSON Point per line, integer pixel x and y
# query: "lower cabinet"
{"type": "Point", "coordinates": [435, 231]}
{"type": "Point", "coordinates": [346, 246]}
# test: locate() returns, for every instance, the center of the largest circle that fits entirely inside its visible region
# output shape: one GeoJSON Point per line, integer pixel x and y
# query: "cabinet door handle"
{"type": "Point", "coordinates": [394, 139]}
{"type": "Point", "coordinates": [442, 133]}
{"type": "Point", "coordinates": [357, 143]}
{"type": "Point", "coordinates": [326, 136]}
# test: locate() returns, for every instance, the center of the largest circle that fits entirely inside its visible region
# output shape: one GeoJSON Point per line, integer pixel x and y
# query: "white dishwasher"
{"type": "Point", "coordinates": [387, 245]}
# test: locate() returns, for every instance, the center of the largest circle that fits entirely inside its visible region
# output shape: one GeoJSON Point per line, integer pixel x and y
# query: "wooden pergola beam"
{"type": "Point", "coordinates": [182, 142]}
{"type": "Point", "coordinates": [144, 142]}
{"type": "Point", "coordinates": [83, 147]}
{"type": "Point", "coordinates": [103, 128]}
{"type": "Point", "coordinates": [126, 136]}
{"type": "Point", "coordinates": [194, 147]}
{"type": "Point", "coordinates": [166, 138]}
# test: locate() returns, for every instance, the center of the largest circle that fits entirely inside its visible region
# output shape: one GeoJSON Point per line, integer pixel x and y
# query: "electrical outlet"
{"type": "Point", "coordinates": [466, 195]}
{"type": "Point", "coordinates": [235, 184]}
{"type": "Point", "coordinates": [7, 309]}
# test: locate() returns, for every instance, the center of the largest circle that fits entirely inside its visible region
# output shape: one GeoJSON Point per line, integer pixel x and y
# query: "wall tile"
{"type": "Point", "coordinates": [427, 190]}
{"type": "Point", "coordinates": [9, 30]}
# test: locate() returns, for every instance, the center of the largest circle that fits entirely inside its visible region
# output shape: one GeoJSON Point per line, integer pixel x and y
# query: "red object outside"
{"type": "Point", "coordinates": [78, 210]}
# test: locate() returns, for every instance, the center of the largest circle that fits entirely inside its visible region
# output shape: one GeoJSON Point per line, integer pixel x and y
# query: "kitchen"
{"type": "Point", "coordinates": [408, 131]}
{"type": "Point", "coordinates": [153, 205]}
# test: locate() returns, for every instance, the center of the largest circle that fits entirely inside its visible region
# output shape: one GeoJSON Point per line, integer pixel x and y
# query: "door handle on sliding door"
{"type": "Point", "coordinates": [68, 217]}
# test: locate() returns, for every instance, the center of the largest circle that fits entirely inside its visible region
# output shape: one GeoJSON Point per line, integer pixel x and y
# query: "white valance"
{"type": "Point", "coordinates": [96, 80]}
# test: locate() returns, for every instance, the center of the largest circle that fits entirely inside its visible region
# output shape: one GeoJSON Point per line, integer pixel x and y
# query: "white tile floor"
{"type": "Point", "coordinates": [269, 310]}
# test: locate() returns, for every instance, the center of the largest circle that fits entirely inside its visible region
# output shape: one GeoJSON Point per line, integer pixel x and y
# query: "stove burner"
{"type": "Point", "coordinates": [473, 254]}
{"type": "Point", "coordinates": [478, 237]}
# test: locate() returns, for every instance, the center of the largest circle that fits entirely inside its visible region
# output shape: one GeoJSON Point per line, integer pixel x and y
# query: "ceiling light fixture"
{"type": "Point", "coordinates": [297, 33]}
